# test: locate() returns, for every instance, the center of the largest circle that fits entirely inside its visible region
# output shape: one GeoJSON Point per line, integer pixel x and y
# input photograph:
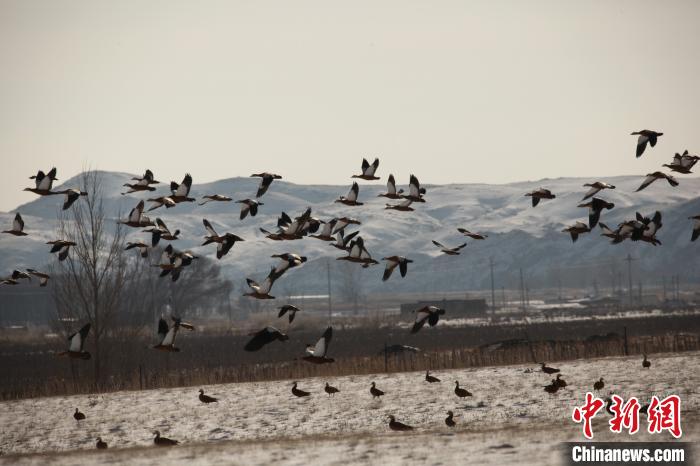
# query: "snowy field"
{"type": "Point", "coordinates": [509, 419]}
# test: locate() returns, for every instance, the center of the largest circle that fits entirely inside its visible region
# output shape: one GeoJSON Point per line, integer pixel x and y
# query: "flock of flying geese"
{"type": "Point", "coordinates": [172, 261]}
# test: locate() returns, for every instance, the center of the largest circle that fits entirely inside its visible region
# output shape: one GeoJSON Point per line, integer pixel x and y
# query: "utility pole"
{"type": "Point", "coordinates": [493, 290]}
{"type": "Point", "coordinates": [629, 260]}
{"type": "Point", "coordinates": [328, 272]}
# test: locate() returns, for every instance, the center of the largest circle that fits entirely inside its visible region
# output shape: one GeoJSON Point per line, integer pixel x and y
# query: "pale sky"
{"type": "Point", "coordinates": [464, 91]}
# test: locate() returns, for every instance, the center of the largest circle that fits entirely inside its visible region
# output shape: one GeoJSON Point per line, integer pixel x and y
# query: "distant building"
{"type": "Point", "coordinates": [454, 308]}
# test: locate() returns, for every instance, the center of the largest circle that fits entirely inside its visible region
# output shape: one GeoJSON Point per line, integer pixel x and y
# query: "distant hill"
{"type": "Point", "coordinates": [519, 236]}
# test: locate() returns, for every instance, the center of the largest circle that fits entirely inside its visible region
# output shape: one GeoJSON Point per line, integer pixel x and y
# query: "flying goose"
{"type": "Point", "coordinates": [62, 247]}
{"type": "Point", "coordinates": [288, 229]}
{"type": "Point", "coordinates": [43, 182]}
{"type": "Point", "coordinates": [393, 262]}
{"type": "Point", "coordinates": [298, 392]}
{"type": "Point", "coordinates": [461, 392]}
{"type": "Point", "coordinates": [72, 195]}
{"type": "Point", "coordinates": [17, 276]}
{"type": "Point", "coordinates": [9, 281]}
{"type": "Point", "coordinates": [317, 353]}
{"type": "Point", "coordinates": [288, 261]}
{"type": "Point", "coordinates": [330, 389]}
{"type": "Point", "coordinates": [398, 426]}
{"type": "Point", "coordinates": [351, 198]}
{"type": "Point", "coordinates": [206, 399]}
{"type": "Point", "coordinates": [224, 243]}
{"type": "Point", "coordinates": [261, 291]}
{"type": "Point", "coordinates": [538, 194]}
{"type": "Point", "coordinates": [595, 207]}
{"type": "Point", "coordinates": [548, 370]}
{"type": "Point", "coordinates": [342, 241]}
{"type": "Point", "coordinates": [683, 163]}
{"type": "Point", "coordinates": [404, 206]}
{"type": "Point", "coordinates": [599, 384]}
{"type": "Point", "coordinates": [166, 335]}
{"type": "Point", "coordinates": [391, 191]}
{"type": "Point", "coordinates": [101, 445]}
{"type": "Point", "coordinates": [646, 363]}
{"type": "Point", "coordinates": [358, 253]}
{"type": "Point", "coordinates": [651, 177]}
{"type": "Point", "coordinates": [645, 228]}
{"type": "Point", "coordinates": [163, 441]}
{"type": "Point", "coordinates": [249, 206]}
{"type": "Point", "coordinates": [77, 344]}
{"type": "Point", "coordinates": [161, 201]}
{"type": "Point", "coordinates": [173, 261]}
{"type": "Point", "coordinates": [343, 222]}
{"type": "Point", "coordinates": [78, 416]}
{"type": "Point", "coordinates": [430, 314]}
{"type": "Point", "coordinates": [429, 378]}
{"type": "Point", "coordinates": [368, 170]}
{"type": "Point", "coordinates": [595, 188]}
{"type": "Point", "coordinates": [645, 136]}
{"type": "Point", "coordinates": [148, 177]}
{"type": "Point", "coordinates": [140, 245]}
{"type": "Point", "coordinates": [180, 192]}
{"type": "Point", "coordinates": [375, 392]}
{"type": "Point", "coordinates": [136, 218]}
{"type": "Point", "coordinates": [17, 226]}
{"type": "Point", "coordinates": [265, 182]}
{"type": "Point", "coordinates": [576, 229]}
{"type": "Point", "coordinates": [696, 227]}
{"type": "Point", "coordinates": [263, 337]}
{"type": "Point", "coordinates": [449, 251]}
{"type": "Point", "coordinates": [161, 231]}
{"type": "Point", "coordinates": [449, 420]}
{"type": "Point", "coordinates": [415, 192]}
{"type": "Point", "coordinates": [141, 185]}
{"type": "Point", "coordinates": [291, 310]}
{"type": "Point", "coordinates": [43, 277]}
{"type": "Point", "coordinates": [215, 198]}
{"type": "Point", "coordinates": [468, 233]}
{"type": "Point", "coordinates": [560, 382]}
{"type": "Point", "coordinates": [326, 233]}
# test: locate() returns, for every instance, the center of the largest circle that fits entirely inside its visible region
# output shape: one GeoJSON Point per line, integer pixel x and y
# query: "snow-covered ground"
{"type": "Point", "coordinates": [509, 419]}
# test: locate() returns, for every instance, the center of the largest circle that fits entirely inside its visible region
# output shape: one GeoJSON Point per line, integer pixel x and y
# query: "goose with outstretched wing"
{"type": "Point", "coordinates": [317, 353]}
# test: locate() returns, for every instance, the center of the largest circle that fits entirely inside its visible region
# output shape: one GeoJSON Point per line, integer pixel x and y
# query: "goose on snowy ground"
{"type": "Point", "coordinates": [101, 444]}
{"type": "Point", "coordinates": [298, 392]}
{"type": "Point", "coordinates": [358, 253]}
{"type": "Point", "coordinates": [429, 378]}
{"type": "Point", "coordinates": [163, 441]}
{"type": "Point", "coordinates": [161, 231]}
{"type": "Point", "coordinates": [449, 251]}
{"type": "Point", "coordinates": [249, 206]}
{"type": "Point", "coordinates": [560, 382]}
{"type": "Point", "coordinates": [430, 314]}
{"type": "Point", "coordinates": [595, 188]}
{"type": "Point", "coordinates": [368, 170]}
{"type": "Point", "coordinates": [43, 182]}
{"type": "Point", "coordinates": [261, 291]}
{"type": "Point", "coordinates": [289, 309]}
{"type": "Point", "coordinates": [181, 192]}
{"type": "Point", "coordinates": [391, 191]}
{"type": "Point", "coordinates": [17, 226]}
{"type": "Point", "coordinates": [404, 206]}
{"type": "Point", "coordinates": [645, 136]}
{"type": "Point", "coordinates": [468, 233]}
{"type": "Point", "coordinates": [351, 198]}
{"type": "Point", "coordinates": [72, 195]}
{"type": "Point", "coordinates": [651, 177]}
{"type": "Point", "coordinates": [43, 277]}
{"type": "Point", "coordinates": [576, 229]}
{"type": "Point", "coordinates": [263, 337]}
{"type": "Point", "coordinates": [166, 335]}
{"type": "Point", "coordinates": [552, 388]}
{"type": "Point", "coordinates": [206, 399]}
{"type": "Point", "coordinates": [288, 261]}
{"type": "Point", "coordinates": [326, 233]}
{"type": "Point", "coordinates": [539, 194]}
{"type": "Point", "coordinates": [393, 262]}
{"type": "Point", "coordinates": [140, 245]}
{"type": "Point", "coordinates": [646, 363]}
{"type": "Point", "coordinates": [682, 163]}
{"type": "Point", "coordinates": [548, 370]}
{"type": "Point", "coordinates": [599, 384]}
{"type": "Point", "coordinates": [449, 420]}
{"type": "Point", "coordinates": [696, 227]}
{"type": "Point", "coordinates": [136, 218]}
{"type": "Point", "coordinates": [375, 392]}
{"type": "Point", "coordinates": [76, 349]}
{"type": "Point", "coordinates": [461, 392]}
{"type": "Point", "coordinates": [343, 222]}
{"type": "Point", "coordinates": [215, 198]}
{"type": "Point", "coordinates": [595, 207]}
{"type": "Point", "coordinates": [78, 416]}
{"type": "Point", "coordinates": [415, 192]}
{"type": "Point", "coordinates": [330, 389]}
{"type": "Point", "coordinates": [398, 426]}
{"type": "Point", "coordinates": [265, 182]}
{"type": "Point", "coordinates": [157, 202]}
{"type": "Point", "coordinates": [342, 241]}
{"type": "Point", "coordinates": [62, 247]}
{"type": "Point", "coordinates": [317, 353]}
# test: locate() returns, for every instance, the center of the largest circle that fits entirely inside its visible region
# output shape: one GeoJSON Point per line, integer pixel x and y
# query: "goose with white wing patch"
{"type": "Point", "coordinates": [358, 253]}
{"type": "Point", "coordinates": [368, 171]}
{"type": "Point", "coordinates": [415, 191]}
{"type": "Point", "coordinates": [17, 226]}
{"type": "Point", "coordinates": [181, 192]}
{"type": "Point", "coordinates": [76, 349]}
{"type": "Point", "coordinates": [258, 291]}
{"type": "Point", "coordinates": [62, 247]}
{"type": "Point", "coordinates": [43, 182]}
{"type": "Point", "coordinates": [351, 198]}
{"type": "Point", "coordinates": [249, 206]}
{"type": "Point", "coordinates": [288, 309]}
{"type": "Point", "coordinates": [646, 136]}
{"type": "Point", "coordinates": [449, 251]}
{"type": "Point", "coordinates": [595, 188]}
{"type": "Point", "coordinates": [136, 219]}
{"type": "Point", "coordinates": [317, 353]}
{"type": "Point", "coordinates": [391, 191]}
{"type": "Point", "coordinates": [393, 262]}
{"type": "Point", "coordinates": [404, 206]}
{"type": "Point", "coordinates": [651, 177]}
{"type": "Point", "coordinates": [166, 335]}
{"type": "Point", "coordinates": [595, 207]}
{"type": "Point", "coordinates": [429, 314]}
{"type": "Point", "coordinates": [215, 198]}
{"type": "Point", "coordinates": [265, 182]}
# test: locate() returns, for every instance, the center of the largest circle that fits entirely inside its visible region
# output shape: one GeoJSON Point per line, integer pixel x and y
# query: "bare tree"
{"type": "Point", "coordinates": [89, 283]}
